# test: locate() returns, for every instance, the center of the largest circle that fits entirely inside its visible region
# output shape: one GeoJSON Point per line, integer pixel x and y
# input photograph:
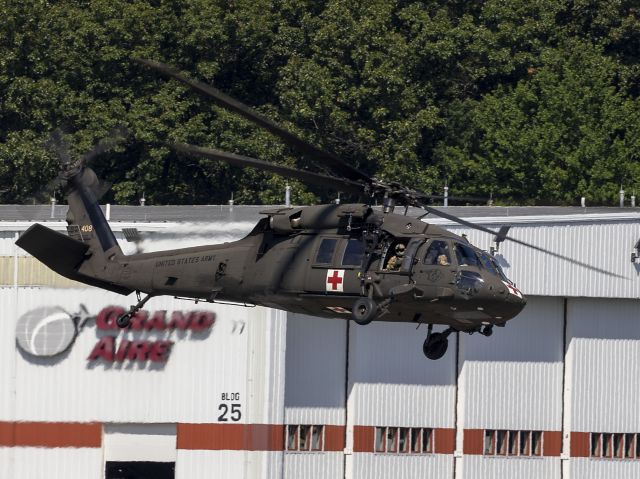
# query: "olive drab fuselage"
{"type": "Point", "coordinates": [319, 260]}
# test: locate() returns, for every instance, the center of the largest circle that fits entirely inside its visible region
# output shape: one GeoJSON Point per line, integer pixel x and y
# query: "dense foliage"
{"type": "Point", "coordinates": [533, 101]}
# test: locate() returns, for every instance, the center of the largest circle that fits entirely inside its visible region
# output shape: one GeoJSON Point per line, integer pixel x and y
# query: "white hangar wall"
{"type": "Point", "coordinates": [45, 399]}
{"type": "Point", "coordinates": [513, 381]}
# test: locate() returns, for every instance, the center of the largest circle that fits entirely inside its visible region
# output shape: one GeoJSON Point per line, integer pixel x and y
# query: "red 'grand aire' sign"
{"type": "Point", "coordinates": [111, 350]}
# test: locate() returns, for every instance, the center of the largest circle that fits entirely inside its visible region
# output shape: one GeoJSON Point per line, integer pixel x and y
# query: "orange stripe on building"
{"type": "Point", "coordinates": [473, 441]}
{"type": "Point", "coordinates": [334, 439]}
{"type": "Point", "coordinates": [231, 437]}
{"type": "Point", "coordinates": [363, 438]}
{"type": "Point", "coordinates": [445, 440]}
{"type": "Point", "coordinates": [579, 444]}
{"type": "Point", "coordinates": [552, 443]}
{"type": "Point", "coordinates": [50, 434]}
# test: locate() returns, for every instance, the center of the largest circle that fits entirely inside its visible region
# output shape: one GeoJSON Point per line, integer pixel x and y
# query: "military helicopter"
{"type": "Point", "coordinates": [348, 261]}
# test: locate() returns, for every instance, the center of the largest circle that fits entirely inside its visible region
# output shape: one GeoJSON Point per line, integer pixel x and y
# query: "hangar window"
{"type": "Point", "coordinates": [629, 445]}
{"type": "Point", "coordinates": [403, 440]}
{"type": "Point", "coordinates": [500, 442]}
{"type": "Point", "coordinates": [304, 437]}
{"type": "Point", "coordinates": [614, 445]}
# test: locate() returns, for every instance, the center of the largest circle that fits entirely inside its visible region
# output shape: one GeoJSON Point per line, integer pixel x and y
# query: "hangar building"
{"type": "Point", "coordinates": [215, 390]}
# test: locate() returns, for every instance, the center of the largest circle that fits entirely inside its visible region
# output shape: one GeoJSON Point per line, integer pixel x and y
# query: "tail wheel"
{"type": "Point", "coordinates": [364, 310]}
{"type": "Point", "coordinates": [435, 346]}
{"type": "Point", "coordinates": [123, 321]}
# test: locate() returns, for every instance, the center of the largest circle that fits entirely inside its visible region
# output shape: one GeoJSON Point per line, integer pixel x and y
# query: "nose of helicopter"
{"type": "Point", "coordinates": [514, 302]}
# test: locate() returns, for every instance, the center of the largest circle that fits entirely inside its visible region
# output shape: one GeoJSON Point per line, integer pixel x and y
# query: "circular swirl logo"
{"type": "Point", "coordinates": [48, 331]}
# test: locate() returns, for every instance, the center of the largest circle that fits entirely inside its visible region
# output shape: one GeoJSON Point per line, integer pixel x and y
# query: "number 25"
{"type": "Point", "coordinates": [224, 410]}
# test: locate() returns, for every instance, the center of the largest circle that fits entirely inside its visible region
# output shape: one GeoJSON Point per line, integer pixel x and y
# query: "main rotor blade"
{"type": "Point", "coordinates": [339, 184]}
{"type": "Point", "coordinates": [221, 99]}
{"type": "Point", "coordinates": [466, 199]}
{"type": "Point", "coordinates": [469, 224]}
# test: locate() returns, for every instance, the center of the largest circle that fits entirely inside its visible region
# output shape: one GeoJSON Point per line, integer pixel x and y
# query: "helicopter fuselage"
{"type": "Point", "coordinates": [320, 260]}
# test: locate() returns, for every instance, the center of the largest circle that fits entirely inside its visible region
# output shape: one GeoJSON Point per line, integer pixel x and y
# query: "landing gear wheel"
{"type": "Point", "coordinates": [364, 310]}
{"type": "Point", "coordinates": [487, 330]}
{"type": "Point", "coordinates": [435, 346]}
{"type": "Point", "coordinates": [123, 321]}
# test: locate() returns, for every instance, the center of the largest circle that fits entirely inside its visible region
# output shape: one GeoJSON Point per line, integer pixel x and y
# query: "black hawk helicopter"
{"type": "Point", "coordinates": [348, 261]}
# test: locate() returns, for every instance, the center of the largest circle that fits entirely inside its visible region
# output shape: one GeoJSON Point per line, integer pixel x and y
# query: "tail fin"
{"type": "Point", "coordinates": [88, 254]}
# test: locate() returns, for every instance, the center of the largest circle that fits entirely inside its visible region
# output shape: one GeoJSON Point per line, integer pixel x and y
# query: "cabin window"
{"type": "Point", "coordinates": [325, 252]}
{"type": "Point", "coordinates": [353, 253]}
{"type": "Point", "coordinates": [438, 253]}
{"type": "Point", "coordinates": [466, 256]}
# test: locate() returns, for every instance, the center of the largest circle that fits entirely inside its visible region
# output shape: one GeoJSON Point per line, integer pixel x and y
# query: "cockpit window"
{"type": "Point", "coordinates": [486, 261]}
{"type": "Point", "coordinates": [325, 252]}
{"type": "Point", "coordinates": [466, 256]}
{"type": "Point", "coordinates": [500, 272]}
{"type": "Point", "coordinates": [438, 253]}
{"type": "Point", "coordinates": [353, 253]}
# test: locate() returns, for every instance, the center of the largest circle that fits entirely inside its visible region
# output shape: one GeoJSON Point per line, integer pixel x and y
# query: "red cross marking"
{"type": "Point", "coordinates": [334, 280]}
{"type": "Point", "coordinates": [513, 290]}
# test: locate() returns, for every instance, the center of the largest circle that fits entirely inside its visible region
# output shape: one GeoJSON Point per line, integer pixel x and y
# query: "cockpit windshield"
{"type": "Point", "coordinates": [486, 261]}
{"type": "Point", "coordinates": [492, 266]}
{"type": "Point", "coordinates": [500, 272]}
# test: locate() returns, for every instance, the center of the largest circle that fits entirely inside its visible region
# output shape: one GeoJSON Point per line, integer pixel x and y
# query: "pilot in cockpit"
{"type": "Point", "coordinates": [438, 254]}
{"type": "Point", "coordinates": [395, 261]}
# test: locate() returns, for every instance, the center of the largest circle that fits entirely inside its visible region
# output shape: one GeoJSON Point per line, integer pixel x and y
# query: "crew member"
{"type": "Point", "coordinates": [395, 261]}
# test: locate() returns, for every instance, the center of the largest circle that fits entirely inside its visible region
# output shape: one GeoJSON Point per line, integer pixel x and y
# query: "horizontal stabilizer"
{"type": "Point", "coordinates": [62, 254]}
{"type": "Point", "coordinates": [59, 252]}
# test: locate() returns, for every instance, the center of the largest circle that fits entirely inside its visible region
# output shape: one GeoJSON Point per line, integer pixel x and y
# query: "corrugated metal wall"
{"type": "Point", "coordinates": [31, 272]}
{"type": "Point", "coordinates": [326, 465]}
{"type": "Point", "coordinates": [587, 468]}
{"type": "Point", "coordinates": [315, 370]}
{"type": "Point", "coordinates": [603, 365]}
{"type": "Point", "coordinates": [381, 466]}
{"type": "Point", "coordinates": [62, 463]}
{"type": "Point", "coordinates": [605, 354]}
{"type": "Point", "coordinates": [315, 389]}
{"type": "Point", "coordinates": [478, 467]}
{"type": "Point", "coordinates": [228, 464]}
{"type": "Point", "coordinates": [513, 380]}
{"type": "Point", "coordinates": [391, 383]}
